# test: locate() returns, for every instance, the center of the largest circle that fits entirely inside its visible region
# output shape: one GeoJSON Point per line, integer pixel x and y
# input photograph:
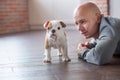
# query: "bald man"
{"type": "Point", "coordinates": [104, 31]}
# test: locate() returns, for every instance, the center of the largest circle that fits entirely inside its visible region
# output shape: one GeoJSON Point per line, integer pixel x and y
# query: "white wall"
{"type": "Point", "coordinates": [42, 10]}
{"type": "Point", "coordinates": [115, 8]}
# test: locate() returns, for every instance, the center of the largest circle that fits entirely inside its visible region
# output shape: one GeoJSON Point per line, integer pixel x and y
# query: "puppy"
{"type": "Point", "coordinates": [56, 38]}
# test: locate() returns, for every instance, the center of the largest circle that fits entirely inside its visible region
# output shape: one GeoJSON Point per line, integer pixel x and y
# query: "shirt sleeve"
{"type": "Point", "coordinates": [92, 43]}
{"type": "Point", "coordinates": [103, 51]}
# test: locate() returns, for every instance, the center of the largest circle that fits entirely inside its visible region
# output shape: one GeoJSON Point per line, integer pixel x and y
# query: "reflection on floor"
{"type": "Point", "coordinates": [21, 58]}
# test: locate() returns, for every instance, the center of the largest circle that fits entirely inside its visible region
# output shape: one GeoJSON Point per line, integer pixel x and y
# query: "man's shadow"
{"type": "Point", "coordinates": [115, 60]}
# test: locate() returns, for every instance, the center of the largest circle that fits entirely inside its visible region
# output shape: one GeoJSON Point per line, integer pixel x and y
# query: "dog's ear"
{"type": "Point", "coordinates": [47, 24]}
{"type": "Point", "coordinates": [63, 24]}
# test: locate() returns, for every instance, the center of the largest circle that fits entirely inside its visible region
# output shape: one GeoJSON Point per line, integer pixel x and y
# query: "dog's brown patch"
{"type": "Point", "coordinates": [46, 43]}
{"type": "Point", "coordinates": [47, 24]}
{"type": "Point", "coordinates": [63, 24]}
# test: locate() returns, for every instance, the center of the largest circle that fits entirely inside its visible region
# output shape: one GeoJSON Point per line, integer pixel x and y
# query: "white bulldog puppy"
{"type": "Point", "coordinates": [56, 38]}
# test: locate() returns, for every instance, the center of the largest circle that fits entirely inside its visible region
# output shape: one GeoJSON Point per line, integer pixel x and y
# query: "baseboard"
{"type": "Point", "coordinates": [68, 22]}
{"type": "Point", "coordinates": [40, 27]}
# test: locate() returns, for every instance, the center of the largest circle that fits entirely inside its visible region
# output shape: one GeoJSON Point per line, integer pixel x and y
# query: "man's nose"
{"type": "Point", "coordinates": [80, 27]}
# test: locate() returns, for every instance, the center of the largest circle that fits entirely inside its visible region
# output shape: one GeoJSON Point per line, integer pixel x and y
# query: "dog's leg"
{"type": "Point", "coordinates": [65, 54]}
{"type": "Point", "coordinates": [59, 52]}
{"type": "Point", "coordinates": [47, 58]}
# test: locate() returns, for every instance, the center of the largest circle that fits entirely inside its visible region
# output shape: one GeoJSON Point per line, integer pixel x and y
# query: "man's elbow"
{"type": "Point", "coordinates": [99, 62]}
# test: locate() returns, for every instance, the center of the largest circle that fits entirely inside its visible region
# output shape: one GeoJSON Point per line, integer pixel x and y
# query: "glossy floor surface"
{"type": "Point", "coordinates": [21, 58]}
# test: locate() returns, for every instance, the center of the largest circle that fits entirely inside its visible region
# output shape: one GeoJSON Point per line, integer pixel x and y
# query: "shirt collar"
{"type": "Point", "coordinates": [103, 23]}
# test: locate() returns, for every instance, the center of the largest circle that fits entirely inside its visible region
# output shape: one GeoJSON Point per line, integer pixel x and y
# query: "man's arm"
{"type": "Point", "coordinates": [102, 52]}
{"type": "Point", "coordinates": [105, 46]}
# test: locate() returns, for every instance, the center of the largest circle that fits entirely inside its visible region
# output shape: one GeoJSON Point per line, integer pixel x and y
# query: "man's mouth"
{"type": "Point", "coordinates": [53, 37]}
{"type": "Point", "coordinates": [83, 33]}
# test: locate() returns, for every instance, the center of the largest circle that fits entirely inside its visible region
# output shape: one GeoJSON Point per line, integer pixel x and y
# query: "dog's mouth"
{"type": "Point", "coordinates": [53, 37]}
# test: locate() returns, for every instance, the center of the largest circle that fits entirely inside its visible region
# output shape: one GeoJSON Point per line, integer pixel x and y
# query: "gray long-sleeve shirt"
{"type": "Point", "coordinates": [104, 47]}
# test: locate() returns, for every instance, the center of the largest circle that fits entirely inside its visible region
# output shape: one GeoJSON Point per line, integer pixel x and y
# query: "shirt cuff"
{"type": "Point", "coordinates": [83, 53]}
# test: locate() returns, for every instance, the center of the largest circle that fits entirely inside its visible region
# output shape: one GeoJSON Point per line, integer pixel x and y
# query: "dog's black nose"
{"type": "Point", "coordinates": [53, 31]}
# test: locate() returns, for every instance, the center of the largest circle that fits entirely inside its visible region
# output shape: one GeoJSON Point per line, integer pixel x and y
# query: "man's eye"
{"type": "Point", "coordinates": [76, 23]}
{"type": "Point", "coordinates": [82, 22]}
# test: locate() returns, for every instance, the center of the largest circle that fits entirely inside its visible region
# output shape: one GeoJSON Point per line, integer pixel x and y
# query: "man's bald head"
{"type": "Point", "coordinates": [87, 17]}
{"type": "Point", "coordinates": [87, 8]}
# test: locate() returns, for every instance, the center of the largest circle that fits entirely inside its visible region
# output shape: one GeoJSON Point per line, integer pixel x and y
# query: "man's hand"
{"type": "Point", "coordinates": [81, 47]}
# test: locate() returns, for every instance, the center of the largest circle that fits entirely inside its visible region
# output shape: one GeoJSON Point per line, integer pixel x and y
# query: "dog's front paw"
{"type": "Point", "coordinates": [46, 60]}
{"type": "Point", "coordinates": [66, 59]}
{"type": "Point", "coordinates": [59, 54]}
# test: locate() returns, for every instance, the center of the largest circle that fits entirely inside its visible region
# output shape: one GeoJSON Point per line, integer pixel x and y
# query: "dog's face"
{"type": "Point", "coordinates": [54, 28]}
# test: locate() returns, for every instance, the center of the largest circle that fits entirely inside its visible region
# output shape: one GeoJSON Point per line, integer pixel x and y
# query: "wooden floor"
{"type": "Point", "coordinates": [21, 58]}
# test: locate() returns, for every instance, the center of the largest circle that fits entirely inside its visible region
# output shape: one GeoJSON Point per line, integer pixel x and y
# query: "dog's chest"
{"type": "Point", "coordinates": [55, 44]}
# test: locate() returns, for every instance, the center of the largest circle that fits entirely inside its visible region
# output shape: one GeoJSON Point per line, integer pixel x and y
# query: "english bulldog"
{"type": "Point", "coordinates": [55, 38]}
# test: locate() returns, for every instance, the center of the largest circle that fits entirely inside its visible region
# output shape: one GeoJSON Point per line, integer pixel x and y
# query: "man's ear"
{"type": "Point", "coordinates": [98, 17]}
{"type": "Point", "coordinates": [63, 24]}
{"type": "Point", "coordinates": [46, 24]}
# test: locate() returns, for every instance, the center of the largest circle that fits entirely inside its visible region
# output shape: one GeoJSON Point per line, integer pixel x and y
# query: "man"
{"type": "Point", "coordinates": [105, 32]}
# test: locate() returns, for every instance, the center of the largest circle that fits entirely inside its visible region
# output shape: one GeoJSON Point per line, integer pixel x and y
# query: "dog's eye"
{"type": "Point", "coordinates": [58, 28]}
{"type": "Point", "coordinates": [48, 28]}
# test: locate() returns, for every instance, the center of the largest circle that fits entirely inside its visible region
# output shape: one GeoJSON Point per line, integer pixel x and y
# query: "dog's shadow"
{"type": "Point", "coordinates": [60, 58]}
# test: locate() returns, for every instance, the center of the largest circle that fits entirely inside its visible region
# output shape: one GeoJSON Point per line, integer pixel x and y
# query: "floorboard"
{"type": "Point", "coordinates": [21, 58]}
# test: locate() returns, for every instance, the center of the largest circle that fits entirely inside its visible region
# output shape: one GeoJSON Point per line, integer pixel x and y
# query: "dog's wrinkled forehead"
{"type": "Point", "coordinates": [53, 24]}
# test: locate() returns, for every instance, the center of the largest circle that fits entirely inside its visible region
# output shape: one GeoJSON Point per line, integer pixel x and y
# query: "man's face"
{"type": "Point", "coordinates": [86, 23]}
